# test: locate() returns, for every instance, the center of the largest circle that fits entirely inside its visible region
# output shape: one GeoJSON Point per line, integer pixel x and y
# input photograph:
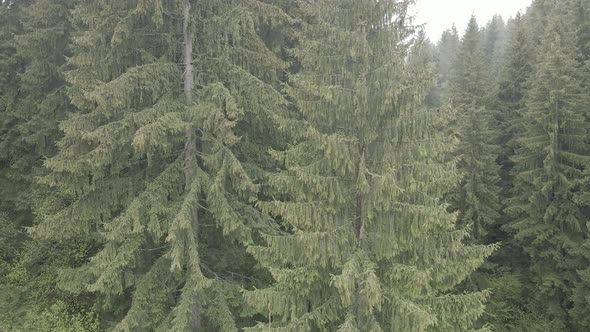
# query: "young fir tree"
{"type": "Point", "coordinates": [477, 197]}
{"type": "Point", "coordinates": [510, 103]}
{"type": "Point", "coordinates": [367, 243]}
{"type": "Point", "coordinates": [150, 172]}
{"type": "Point", "coordinates": [551, 164]}
{"type": "Point", "coordinates": [470, 80]}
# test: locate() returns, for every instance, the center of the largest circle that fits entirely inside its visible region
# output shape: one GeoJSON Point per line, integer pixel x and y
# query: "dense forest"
{"type": "Point", "coordinates": [279, 165]}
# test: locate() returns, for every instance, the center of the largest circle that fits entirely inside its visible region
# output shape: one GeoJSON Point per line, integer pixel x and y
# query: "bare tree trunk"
{"type": "Point", "coordinates": [190, 147]}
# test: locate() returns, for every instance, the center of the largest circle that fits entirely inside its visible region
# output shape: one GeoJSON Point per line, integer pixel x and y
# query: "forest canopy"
{"type": "Point", "coordinates": [277, 165]}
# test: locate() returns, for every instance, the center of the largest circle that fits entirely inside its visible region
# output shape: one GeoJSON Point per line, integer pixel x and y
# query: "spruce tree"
{"type": "Point", "coordinates": [366, 242]}
{"type": "Point", "coordinates": [470, 80]}
{"type": "Point", "coordinates": [10, 65]}
{"type": "Point", "coordinates": [477, 197]}
{"type": "Point", "coordinates": [509, 264]}
{"type": "Point", "coordinates": [493, 42]}
{"type": "Point", "coordinates": [32, 95]}
{"type": "Point", "coordinates": [150, 173]}
{"type": "Point", "coordinates": [550, 168]}
{"type": "Point", "coordinates": [447, 46]}
{"type": "Point", "coordinates": [537, 19]}
{"type": "Point", "coordinates": [512, 89]}
{"type": "Point", "coordinates": [34, 44]}
{"type": "Point", "coordinates": [580, 11]}
{"type": "Point", "coordinates": [424, 54]}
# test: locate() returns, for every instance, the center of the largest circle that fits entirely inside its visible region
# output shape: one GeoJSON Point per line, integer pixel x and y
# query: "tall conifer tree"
{"type": "Point", "coordinates": [366, 244]}
{"type": "Point", "coordinates": [477, 197]}
{"type": "Point", "coordinates": [10, 65]}
{"type": "Point", "coordinates": [448, 46]}
{"type": "Point", "coordinates": [33, 101]}
{"type": "Point", "coordinates": [505, 273]}
{"type": "Point", "coordinates": [149, 172]}
{"type": "Point", "coordinates": [32, 95]}
{"type": "Point", "coordinates": [580, 313]}
{"type": "Point", "coordinates": [513, 83]}
{"type": "Point", "coordinates": [550, 164]}
{"type": "Point", "coordinates": [494, 42]}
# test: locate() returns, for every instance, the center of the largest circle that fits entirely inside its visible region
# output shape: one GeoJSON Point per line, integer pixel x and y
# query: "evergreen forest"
{"type": "Point", "coordinates": [292, 165]}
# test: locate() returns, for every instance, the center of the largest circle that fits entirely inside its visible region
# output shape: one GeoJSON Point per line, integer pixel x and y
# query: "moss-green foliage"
{"type": "Point", "coordinates": [494, 40]}
{"type": "Point", "coordinates": [477, 196]}
{"type": "Point", "coordinates": [505, 306]}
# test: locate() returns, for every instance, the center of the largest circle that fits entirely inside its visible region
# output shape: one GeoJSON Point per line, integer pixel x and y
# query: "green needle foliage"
{"type": "Point", "coordinates": [493, 43]}
{"type": "Point", "coordinates": [280, 165]}
{"type": "Point", "coordinates": [470, 78]}
{"type": "Point", "coordinates": [477, 197]}
{"type": "Point", "coordinates": [448, 46]}
{"type": "Point", "coordinates": [150, 174]}
{"type": "Point", "coordinates": [34, 45]}
{"type": "Point", "coordinates": [366, 242]}
{"type": "Point", "coordinates": [32, 95]}
{"type": "Point", "coordinates": [512, 89]}
{"type": "Point", "coordinates": [551, 168]}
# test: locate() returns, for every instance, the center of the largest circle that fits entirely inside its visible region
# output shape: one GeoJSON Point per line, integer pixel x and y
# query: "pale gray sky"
{"type": "Point", "coordinates": [440, 14]}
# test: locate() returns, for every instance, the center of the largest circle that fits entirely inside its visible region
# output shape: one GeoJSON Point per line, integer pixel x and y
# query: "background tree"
{"type": "Point", "coordinates": [504, 275]}
{"type": "Point", "coordinates": [510, 101]}
{"type": "Point", "coordinates": [34, 43]}
{"type": "Point", "coordinates": [477, 197]}
{"type": "Point", "coordinates": [447, 46]}
{"type": "Point", "coordinates": [550, 165]}
{"type": "Point", "coordinates": [494, 43]}
{"type": "Point", "coordinates": [579, 312]}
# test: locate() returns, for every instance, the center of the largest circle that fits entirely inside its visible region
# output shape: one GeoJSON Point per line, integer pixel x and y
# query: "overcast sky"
{"type": "Point", "coordinates": [440, 14]}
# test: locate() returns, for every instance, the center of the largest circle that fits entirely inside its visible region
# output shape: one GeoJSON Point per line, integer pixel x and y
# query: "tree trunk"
{"type": "Point", "coordinates": [360, 227]}
{"type": "Point", "coordinates": [190, 147]}
{"type": "Point", "coordinates": [360, 201]}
